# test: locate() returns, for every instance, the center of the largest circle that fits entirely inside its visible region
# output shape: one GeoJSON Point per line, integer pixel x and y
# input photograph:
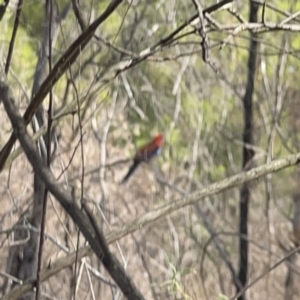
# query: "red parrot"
{"type": "Point", "coordinates": [145, 154]}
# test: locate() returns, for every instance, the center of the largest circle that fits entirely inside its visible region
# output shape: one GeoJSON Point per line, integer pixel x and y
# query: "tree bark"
{"type": "Point", "coordinates": [247, 153]}
{"type": "Point", "coordinates": [23, 259]}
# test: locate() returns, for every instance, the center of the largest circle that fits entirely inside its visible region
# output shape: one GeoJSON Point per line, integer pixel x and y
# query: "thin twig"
{"type": "Point", "coordinates": [13, 36]}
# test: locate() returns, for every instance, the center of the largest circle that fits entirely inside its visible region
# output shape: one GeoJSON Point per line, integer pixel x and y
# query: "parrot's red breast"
{"type": "Point", "coordinates": [145, 154]}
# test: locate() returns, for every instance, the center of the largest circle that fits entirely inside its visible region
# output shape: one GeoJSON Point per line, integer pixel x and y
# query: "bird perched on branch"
{"type": "Point", "coordinates": [145, 154]}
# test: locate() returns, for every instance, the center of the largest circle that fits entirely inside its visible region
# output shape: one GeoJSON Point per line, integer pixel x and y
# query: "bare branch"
{"type": "Point", "coordinates": [58, 70]}
{"type": "Point", "coordinates": [110, 262]}
{"type": "Point", "coordinates": [78, 15]}
{"type": "Point", "coordinates": [13, 36]}
{"type": "Point", "coordinates": [66, 200]}
{"type": "Point", "coordinates": [86, 226]}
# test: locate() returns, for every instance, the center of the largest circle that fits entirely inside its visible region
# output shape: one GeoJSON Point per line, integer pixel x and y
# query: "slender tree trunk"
{"type": "Point", "coordinates": [247, 153]}
{"type": "Point", "coordinates": [22, 260]}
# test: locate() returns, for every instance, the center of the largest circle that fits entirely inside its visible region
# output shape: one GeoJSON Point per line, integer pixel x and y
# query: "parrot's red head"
{"type": "Point", "coordinates": [159, 140]}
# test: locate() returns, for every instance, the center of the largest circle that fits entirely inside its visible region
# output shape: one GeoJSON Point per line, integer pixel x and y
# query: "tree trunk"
{"type": "Point", "coordinates": [247, 153]}
{"type": "Point", "coordinates": [23, 258]}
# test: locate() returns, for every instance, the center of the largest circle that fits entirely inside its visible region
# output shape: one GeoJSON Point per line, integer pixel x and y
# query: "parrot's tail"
{"type": "Point", "coordinates": [130, 172]}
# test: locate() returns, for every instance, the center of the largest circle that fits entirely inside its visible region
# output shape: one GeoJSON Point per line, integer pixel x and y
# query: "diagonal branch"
{"type": "Point", "coordinates": [13, 36]}
{"type": "Point", "coordinates": [65, 199]}
{"type": "Point", "coordinates": [81, 220]}
{"type": "Point", "coordinates": [109, 260]}
{"type": "Point", "coordinates": [58, 70]}
{"type": "Point", "coordinates": [158, 213]}
{"type": "Point", "coordinates": [76, 48]}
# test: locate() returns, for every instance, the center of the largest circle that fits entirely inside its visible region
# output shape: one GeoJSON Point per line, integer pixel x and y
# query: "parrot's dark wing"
{"type": "Point", "coordinates": [145, 154]}
{"type": "Point", "coordinates": [130, 171]}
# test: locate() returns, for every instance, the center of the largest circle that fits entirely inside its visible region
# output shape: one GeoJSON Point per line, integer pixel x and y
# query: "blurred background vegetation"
{"type": "Point", "coordinates": [198, 106]}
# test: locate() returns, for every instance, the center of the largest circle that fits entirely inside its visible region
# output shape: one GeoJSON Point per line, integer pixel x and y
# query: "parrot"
{"type": "Point", "coordinates": [145, 154]}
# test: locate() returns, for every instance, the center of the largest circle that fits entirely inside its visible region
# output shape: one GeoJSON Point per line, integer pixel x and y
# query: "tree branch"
{"type": "Point", "coordinates": [65, 199]}
{"type": "Point", "coordinates": [81, 220]}
{"type": "Point", "coordinates": [13, 36]}
{"type": "Point", "coordinates": [58, 70]}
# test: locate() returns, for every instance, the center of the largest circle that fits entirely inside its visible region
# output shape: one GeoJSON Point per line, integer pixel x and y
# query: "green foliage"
{"type": "Point", "coordinates": [222, 297]}
{"type": "Point", "coordinates": [217, 172]}
{"type": "Point", "coordinates": [111, 28]}
{"type": "Point", "coordinates": [32, 18]}
{"type": "Point", "coordinates": [175, 136]}
{"type": "Point", "coordinates": [295, 44]}
{"type": "Point", "coordinates": [209, 106]}
{"type": "Point", "coordinates": [174, 284]}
